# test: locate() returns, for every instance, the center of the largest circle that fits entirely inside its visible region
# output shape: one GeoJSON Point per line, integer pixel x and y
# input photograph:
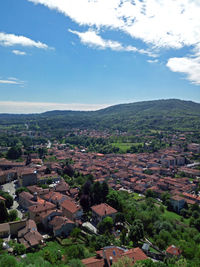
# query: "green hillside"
{"type": "Point", "coordinates": [172, 114]}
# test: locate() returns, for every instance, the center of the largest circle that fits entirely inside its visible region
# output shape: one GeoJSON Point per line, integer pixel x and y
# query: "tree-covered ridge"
{"type": "Point", "coordinates": [169, 114]}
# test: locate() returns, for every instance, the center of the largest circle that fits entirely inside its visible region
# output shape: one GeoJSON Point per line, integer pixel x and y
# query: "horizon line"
{"type": "Point", "coordinates": [26, 107]}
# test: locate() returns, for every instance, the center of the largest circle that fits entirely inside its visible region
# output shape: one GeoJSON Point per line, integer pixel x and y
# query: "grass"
{"type": "Point", "coordinates": [137, 197]}
{"type": "Point", "coordinates": [174, 216]}
{"type": "Point", "coordinates": [124, 146]}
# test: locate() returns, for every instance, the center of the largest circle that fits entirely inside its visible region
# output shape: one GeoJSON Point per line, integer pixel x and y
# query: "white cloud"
{"type": "Point", "coordinates": [38, 107]}
{"type": "Point", "coordinates": [12, 81]}
{"type": "Point", "coordinates": [92, 39]}
{"type": "Point", "coordinates": [8, 82]}
{"type": "Point", "coordinates": [159, 22]}
{"type": "Point", "coordinates": [12, 39]}
{"type": "Point", "coordinates": [19, 53]}
{"type": "Point", "coordinates": [187, 65]}
{"type": "Point", "coordinates": [152, 61]}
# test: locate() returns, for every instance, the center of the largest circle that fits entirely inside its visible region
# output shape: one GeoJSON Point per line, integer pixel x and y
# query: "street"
{"type": "Point", "coordinates": [10, 188]}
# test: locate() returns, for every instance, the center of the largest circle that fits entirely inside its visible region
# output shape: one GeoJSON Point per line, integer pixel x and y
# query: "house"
{"type": "Point", "coordinates": [29, 236]}
{"type": "Point", "coordinates": [40, 191]}
{"type": "Point", "coordinates": [177, 202]}
{"type": "Point", "coordinates": [38, 208]}
{"type": "Point", "coordinates": [108, 255]}
{"type": "Point", "coordinates": [11, 228]}
{"type": "Point", "coordinates": [101, 211]}
{"type": "Point", "coordinates": [7, 176]}
{"type": "Point", "coordinates": [71, 210]}
{"type": "Point", "coordinates": [7, 164]}
{"type": "Point", "coordinates": [195, 148]}
{"type": "Point", "coordinates": [173, 251]}
{"type": "Point", "coordinates": [55, 197]}
{"type": "Point", "coordinates": [62, 187]}
{"type": "Point", "coordinates": [26, 199]}
{"type": "Point", "coordinates": [61, 226]}
{"type": "Point", "coordinates": [47, 216]}
{"type": "Point", "coordinates": [27, 177]}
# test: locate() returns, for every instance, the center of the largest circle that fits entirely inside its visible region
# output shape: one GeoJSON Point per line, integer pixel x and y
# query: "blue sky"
{"type": "Point", "coordinates": [81, 54]}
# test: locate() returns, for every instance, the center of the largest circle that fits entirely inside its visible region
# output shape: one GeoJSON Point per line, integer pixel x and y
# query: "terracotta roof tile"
{"type": "Point", "coordinates": [103, 209]}
{"type": "Point", "coordinates": [173, 250]}
{"type": "Point", "coordinates": [70, 206]}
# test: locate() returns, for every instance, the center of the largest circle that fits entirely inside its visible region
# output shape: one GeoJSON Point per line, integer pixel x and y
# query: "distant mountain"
{"type": "Point", "coordinates": [158, 114]}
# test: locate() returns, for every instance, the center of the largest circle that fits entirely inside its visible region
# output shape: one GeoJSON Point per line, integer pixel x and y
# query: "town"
{"type": "Point", "coordinates": [70, 192]}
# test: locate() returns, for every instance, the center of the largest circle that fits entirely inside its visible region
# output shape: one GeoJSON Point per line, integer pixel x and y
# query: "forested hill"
{"type": "Point", "coordinates": [158, 114]}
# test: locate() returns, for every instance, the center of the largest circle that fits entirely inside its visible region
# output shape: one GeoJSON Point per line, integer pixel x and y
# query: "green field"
{"type": "Point", "coordinates": [137, 197]}
{"type": "Point", "coordinates": [124, 146]}
{"type": "Point", "coordinates": [174, 216]}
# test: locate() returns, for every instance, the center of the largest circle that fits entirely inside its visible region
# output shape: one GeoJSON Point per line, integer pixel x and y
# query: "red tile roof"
{"type": "Point", "coordinates": [59, 221]}
{"type": "Point", "coordinates": [115, 253]}
{"type": "Point", "coordinates": [103, 209]}
{"type": "Point", "coordinates": [136, 254]}
{"type": "Point", "coordinates": [173, 250]}
{"type": "Point", "coordinates": [93, 262]}
{"type": "Point", "coordinates": [41, 207]}
{"type": "Point", "coordinates": [70, 206]}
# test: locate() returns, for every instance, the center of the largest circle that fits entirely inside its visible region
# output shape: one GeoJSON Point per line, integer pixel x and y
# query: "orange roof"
{"type": "Point", "coordinates": [103, 209]}
{"type": "Point", "coordinates": [93, 262]}
{"type": "Point", "coordinates": [136, 253]}
{"type": "Point", "coordinates": [115, 253]}
{"type": "Point", "coordinates": [173, 250]}
{"type": "Point", "coordinates": [41, 207]}
{"type": "Point", "coordinates": [70, 206]}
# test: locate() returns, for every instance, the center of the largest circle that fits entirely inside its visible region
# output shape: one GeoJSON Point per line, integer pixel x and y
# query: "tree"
{"type": "Point", "coordinates": [123, 262]}
{"type": "Point", "coordinates": [8, 261]}
{"type": "Point", "coordinates": [96, 193]}
{"type": "Point", "coordinates": [85, 202]}
{"type": "Point", "coordinates": [149, 263]}
{"type": "Point", "coordinates": [123, 237]}
{"type": "Point", "coordinates": [32, 261]}
{"type": "Point", "coordinates": [119, 217]}
{"type": "Point", "coordinates": [14, 153]}
{"type": "Point", "coordinates": [75, 233]}
{"type": "Point", "coordinates": [150, 193]}
{"type": "Point", "coordinates": [75, 263]}
{"type": "Point", "coordinates": [13, 215]}
{"type": "Point", "coordinates": [105, 225]}
{"type": "Point", "coordinates": [19, 249]}
{"type": "Point", "coordinates": [53, 256]}
{"type": "Point", "coordinates": [1, 245]}
{"type": "Point", "coordinates": [165, 197]}
{"type": "Point", "coordinates": [114, 200]}
{"type": "Point", "coordinates": [104, 191]}
{"type": "Point", "coordinates": [75, 252]}
{"type": "Point", "coordinates": [3, 213]}
{"type": "Point", "coordinates": [136, 231]}
{"type": "Point", "coordinates": [8, 198]}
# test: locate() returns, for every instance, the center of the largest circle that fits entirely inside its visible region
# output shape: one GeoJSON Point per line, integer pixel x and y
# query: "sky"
{"type": "Point", "coordinates": [90, 54]}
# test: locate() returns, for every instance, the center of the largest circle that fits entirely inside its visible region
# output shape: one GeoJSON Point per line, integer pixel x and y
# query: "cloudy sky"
{"type": "Point", "coordinates": [89, 54]}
